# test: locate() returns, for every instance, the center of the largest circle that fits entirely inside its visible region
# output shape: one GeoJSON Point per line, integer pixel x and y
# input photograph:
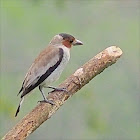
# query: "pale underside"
{"type": "Point", "coordinates": [46, 59]}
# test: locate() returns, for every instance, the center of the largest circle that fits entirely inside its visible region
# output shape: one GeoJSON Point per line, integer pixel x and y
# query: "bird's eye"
{"type": "Point", "coordinates": [71, 41]}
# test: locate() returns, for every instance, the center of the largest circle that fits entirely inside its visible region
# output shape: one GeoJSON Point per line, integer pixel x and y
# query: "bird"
{"type": "Point", "coordinates": [48, 66]}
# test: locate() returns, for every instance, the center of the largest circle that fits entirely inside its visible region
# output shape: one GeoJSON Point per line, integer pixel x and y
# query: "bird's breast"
{"type": "Point", "coordinates": [57, 72]}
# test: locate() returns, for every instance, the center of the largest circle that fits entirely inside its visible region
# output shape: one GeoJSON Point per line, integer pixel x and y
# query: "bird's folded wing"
{"type": "Point", "coordinates": [47, 61]}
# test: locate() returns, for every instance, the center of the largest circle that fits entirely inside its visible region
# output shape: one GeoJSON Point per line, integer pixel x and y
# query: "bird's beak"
{"type": "Point", "coordinates": [77, 42]}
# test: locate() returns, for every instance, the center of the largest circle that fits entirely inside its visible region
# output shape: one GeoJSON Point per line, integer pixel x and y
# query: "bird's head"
{"type": "Point", "coordinates": [66, 40]}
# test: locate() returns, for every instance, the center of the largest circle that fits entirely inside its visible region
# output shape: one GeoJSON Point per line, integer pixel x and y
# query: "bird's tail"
{"type": "Point", "coordinates": [18, 109]}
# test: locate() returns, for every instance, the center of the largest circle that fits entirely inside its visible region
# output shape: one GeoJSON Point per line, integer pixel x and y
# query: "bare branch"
{"type": "Point", "coordinates": [75, 82]}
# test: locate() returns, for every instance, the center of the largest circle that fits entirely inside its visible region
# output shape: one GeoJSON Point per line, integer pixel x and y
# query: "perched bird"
{"type": "Point", "coordinates": [48, 66]}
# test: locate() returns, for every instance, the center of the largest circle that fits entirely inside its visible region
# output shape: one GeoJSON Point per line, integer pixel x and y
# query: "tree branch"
{"type": "Point", "coordinates": [75, 82]}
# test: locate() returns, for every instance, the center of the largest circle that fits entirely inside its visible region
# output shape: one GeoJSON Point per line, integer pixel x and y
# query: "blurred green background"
{"type": "Point", "coordinates": [106, 108]}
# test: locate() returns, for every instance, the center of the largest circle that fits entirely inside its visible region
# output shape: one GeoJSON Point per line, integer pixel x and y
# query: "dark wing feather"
{"type": "Point", "coordinates": [40, 79]}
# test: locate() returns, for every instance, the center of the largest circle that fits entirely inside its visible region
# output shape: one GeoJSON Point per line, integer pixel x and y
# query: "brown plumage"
{"type": "Point", "coordinates": [39, 66]}
{"type": "Point", "coordinates": [48, 66]}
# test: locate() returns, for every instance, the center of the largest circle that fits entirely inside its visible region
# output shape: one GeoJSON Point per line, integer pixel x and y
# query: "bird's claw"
{"type": "Point", "coordinates": [59, 89]}
{"type": "Point", "coordinates": [47, 101]}
{"type": "Point", "coordinates": [63, 89]}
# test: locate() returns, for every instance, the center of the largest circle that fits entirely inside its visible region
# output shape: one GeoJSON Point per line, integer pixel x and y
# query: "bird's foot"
{"type": "Point", "coordinates": [47, 101]}
{"type": "Point", "coordinates": [58, 89]}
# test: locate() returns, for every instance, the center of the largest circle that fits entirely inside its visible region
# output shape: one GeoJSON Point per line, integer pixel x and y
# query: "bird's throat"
{"type": "Point", "coordinates": [67, 44]}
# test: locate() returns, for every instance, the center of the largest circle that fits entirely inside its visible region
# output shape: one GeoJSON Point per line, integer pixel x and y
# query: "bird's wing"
{"type": "Point", "coordinates": [47, 61]}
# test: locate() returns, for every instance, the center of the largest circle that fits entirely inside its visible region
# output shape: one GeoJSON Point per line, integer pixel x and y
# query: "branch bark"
{"type": "Point", "coordinates": [75, 82]}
